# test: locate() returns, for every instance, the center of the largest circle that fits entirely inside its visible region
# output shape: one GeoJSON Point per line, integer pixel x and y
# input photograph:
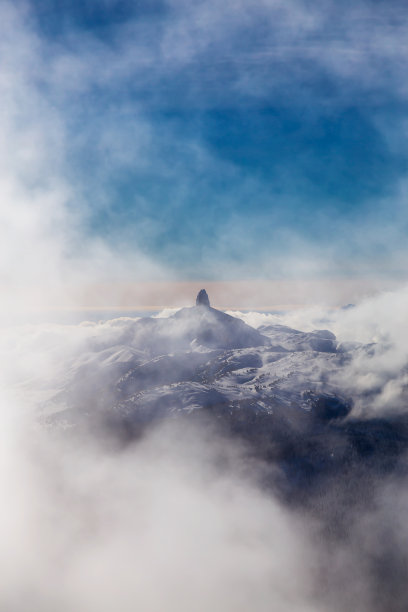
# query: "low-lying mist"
{"type": "Point", "coordinates": [182, 520]}
{"type": "Point", "coordinates": [175, 522]}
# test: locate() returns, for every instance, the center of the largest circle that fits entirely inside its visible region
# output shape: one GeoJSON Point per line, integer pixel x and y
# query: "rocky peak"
{"type": "Point", "coordinates": [202, 298]}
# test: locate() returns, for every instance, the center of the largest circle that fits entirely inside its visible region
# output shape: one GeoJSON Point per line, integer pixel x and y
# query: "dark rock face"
{"type": "Point", "coordinates": [202, 298]}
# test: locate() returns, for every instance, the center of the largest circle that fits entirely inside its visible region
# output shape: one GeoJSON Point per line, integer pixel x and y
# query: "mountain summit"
{"type": "Point", "coordinates": [202, 299]}
{"type": "Point", "coordinates": [212, 328]}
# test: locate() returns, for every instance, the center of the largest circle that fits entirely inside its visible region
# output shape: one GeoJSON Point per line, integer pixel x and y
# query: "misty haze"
{"type": "Point", "coordinates": [203, 306]}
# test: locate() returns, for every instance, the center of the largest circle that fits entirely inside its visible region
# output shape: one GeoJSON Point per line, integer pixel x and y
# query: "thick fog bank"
{"type": "Point", "coordinates": [183, 519]}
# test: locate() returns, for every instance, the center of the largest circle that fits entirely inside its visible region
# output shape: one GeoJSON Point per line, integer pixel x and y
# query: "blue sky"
{"type": "Point", "coordinates": [242, 139]}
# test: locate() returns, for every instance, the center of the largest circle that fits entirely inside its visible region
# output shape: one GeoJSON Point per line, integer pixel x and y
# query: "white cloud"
{"type": "Point", "coordinates": [376, 378]}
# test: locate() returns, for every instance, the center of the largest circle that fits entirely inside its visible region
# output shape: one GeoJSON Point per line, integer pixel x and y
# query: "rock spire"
{"type": "Point", "coordinates": [202, 298]}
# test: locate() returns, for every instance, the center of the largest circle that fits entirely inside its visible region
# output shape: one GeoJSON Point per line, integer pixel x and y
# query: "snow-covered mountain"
{"type": "Point", "coordinates": [282, 389]}
{"type": "Point", "coordinates": [197, 358]}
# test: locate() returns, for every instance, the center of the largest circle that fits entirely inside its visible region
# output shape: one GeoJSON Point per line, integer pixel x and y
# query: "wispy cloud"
{"type": "Point", "coordinates": [124, 121]}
